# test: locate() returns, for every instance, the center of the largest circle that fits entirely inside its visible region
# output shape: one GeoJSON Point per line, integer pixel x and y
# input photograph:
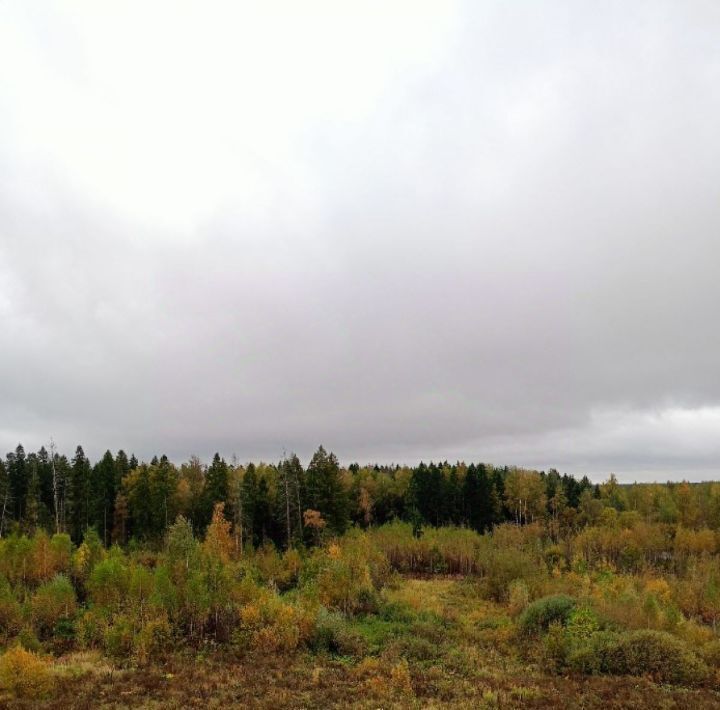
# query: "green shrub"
{"type": "Point", "coordinates": [118, 639]}
{"type": "Point", "coordinates": [90, 629]}
{"type": "Point", "coordinates": [108, 583]}
{"type": "Point", "coordinates": [657, 653]}
{"type": "Point", "coordinates": [582, 623]}
{"type": "Point", "coordinates": [416, 648]}
{"type": "Point", "coordinates": [10, 611]}
{"type": "Point", "coordinates": [556, 647]}
{"type": "Point", "coordinates": [154, 638]}
{"type": "Point", "coordinates": [590, 656]}
{"type": "Point", "coordinates": [433, 631]}
{"type": "Point", "coordinates": [502, 567]}
{"type": "Point", "coordinates": [333, 634]}
{"type": "Point", "coordinates": [51, 603]}
{"type": "Point", "coordinates": [541, 613]}
{"type": "Point", "coordinates": [400, 612]}
{"type": "Point", "coordinates": [28, 639]}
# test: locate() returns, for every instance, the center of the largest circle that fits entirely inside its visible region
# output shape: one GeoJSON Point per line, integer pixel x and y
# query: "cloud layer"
{"type": "Point", "coordinates": [480, 230]}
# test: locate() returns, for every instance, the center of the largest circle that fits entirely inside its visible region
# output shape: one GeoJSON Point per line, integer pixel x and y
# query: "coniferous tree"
{"type": "Point", "coordinates": [62, 474]}
{"type": "Point", "coordinates": [122, 468]}
{"type": "Point", "coordinates": [216, 487]}
{"type": "Point", "coordinates": [453, 498]}
{"type": "Point", "coordinates": [163, 487]}
{"type": "Point", "coordinates": [248, 503]}
{"type": "Point", "coordinates": [263, 518]}
{"type": "Point", "coordinates": [289, 499]}
{"type": "Point", "coordinates": [325, 491]}
{"type": "Point", "coordinates": [33, 505]}
{"type": "Point", "coordinates": [190, 491]}
{"type": "Point", "coordinates": [104, 492]}
{"type": "Point", "coordinates": [79, 495]}
{"type": "Point", "coordinates": [45, 468]}
{"type": "Point", "coordinates": [4, 496]}
{"type": "Point", "coordinates": [19, 480]}
{"type": "Point", "coordinates": [140, 504]}
{"type": "Point", "coordinates": [488, 500]}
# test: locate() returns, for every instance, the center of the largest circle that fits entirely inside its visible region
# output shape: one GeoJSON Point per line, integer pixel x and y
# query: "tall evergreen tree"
{"type": "Point", "coordinates": [325, 491]}
{"type": "Point", "coordinates": [79, 495]}
{"type": "Point", "coordinates": [122, 468]}
{"type": "Point", "coordinates": [163, 487]}
{"type": "Point", "coordinates": [104, 492]}
{"type": "Point", "coordinates": [216, 487]}
{"type": "Point", "coordinates": [263, 522]}
{"type": "Point", "coordinates": [488, 500]}
{"type": "Point", "coordinates": [471, 498]}
{"type": "Point", "coordinates": [289, 499]}
{"type": "Point", "coordinates": [5, 501]}
{"type": "Point", "coordinates": [19, 480]}
{"type": "Point", "coordinates": [45, 469]}
{"type": "Point", "coordinates": [248, 503]}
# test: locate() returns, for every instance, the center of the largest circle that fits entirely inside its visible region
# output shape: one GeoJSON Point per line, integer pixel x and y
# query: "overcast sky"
{"type": "Point", "coordinates": [405, 230]}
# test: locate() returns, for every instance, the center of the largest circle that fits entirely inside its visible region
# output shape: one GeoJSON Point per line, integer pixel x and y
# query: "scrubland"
{"type": "Point", "coordinates": [618, 614]}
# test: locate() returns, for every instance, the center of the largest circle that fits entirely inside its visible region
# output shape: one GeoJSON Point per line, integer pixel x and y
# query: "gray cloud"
{"type": "Point", "coordinates": [485, 231]}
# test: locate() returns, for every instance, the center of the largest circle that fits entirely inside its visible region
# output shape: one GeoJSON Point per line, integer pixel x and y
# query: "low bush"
{"type": "Point", "coordinates": [658, 654]}
{"type": "Point", "coordinates": [118, 638]}
{"type": "Point", "coordinates": [590, 657]}
{"type": "Point", "coordinates": [540, 614]}
{"type": "Point", "coordinates": [25, 673]}
{"type": "Point", "coordinates": [153, 639]}
{"type": "Point", "coordinates": [11, 617]}
{"type": "Point", "coordinates": [556, 647]}
{"type": "Point", "coordinates": [333, 634]}
{"type": "Point", "coordinates": [396, 611]}
{"type": "Point", "coordinates": [582, 623]}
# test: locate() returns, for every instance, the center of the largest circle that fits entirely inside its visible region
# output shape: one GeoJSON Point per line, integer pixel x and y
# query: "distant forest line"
{"type": "Point", "coordinates": [125, 500]}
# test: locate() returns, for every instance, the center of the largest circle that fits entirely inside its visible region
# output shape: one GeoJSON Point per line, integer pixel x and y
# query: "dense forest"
{"type": "Point", "coordinates": [127, 501]}
{"type": "Point", "coordinates": [125, 583]}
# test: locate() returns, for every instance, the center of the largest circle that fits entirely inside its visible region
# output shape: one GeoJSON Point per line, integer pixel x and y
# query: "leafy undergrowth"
{"type": "Point", "coordinates": [432, 643]}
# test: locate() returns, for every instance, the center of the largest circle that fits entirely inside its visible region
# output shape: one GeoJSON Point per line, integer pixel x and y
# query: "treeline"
{"type": "Point", "coordinates": [125, 500]}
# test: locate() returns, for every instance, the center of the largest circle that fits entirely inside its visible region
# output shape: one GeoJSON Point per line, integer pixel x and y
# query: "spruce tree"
{"type": "Point", "coordinates": [79, 495]}
{"type": "Point", "coordinates": [216, 487]}
{"type": "Point", "coordinates": [325, 491]}
{"type": "Point", "coordinates": [248, 502]}
{"type": "Point", "coordinates": [104, 492]}
{"type": "Point", "coordinates": [19, 480]}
